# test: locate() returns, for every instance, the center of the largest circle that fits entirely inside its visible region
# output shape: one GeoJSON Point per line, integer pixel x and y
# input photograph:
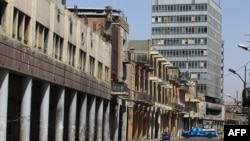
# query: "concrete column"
{"type": "Point", "coordinates": [159, 125]}
{"type": "Point", "coordinates": [124, 123]}
{"type": "Point", "coordinates": [153, 126]}
{"type": "Point", "coordinates": [106, 122]}
{"type": "Point", "coordinates": [145, 123]}
{"type": "Point", "coordinates": [83, 118]}
{"type": "Point", "coordinates": [130, 121]}
{"type": "Point", "coordinates": [72, 117]}
{"type": "Point", "coordinates": [100, 121]}
{"type": "Point", "coordinates": [176, 124]}
{"type": "Point", "coordinates": [44, 112]}
{"type": "Point", "coordinates": [92, 120]}
{"type": "Point", "coordinates": [60, 115]}
{"type": "Point", "coordinates": [116, 126]}
{"type": "Point", "coordinates": [140, 122]}
{"type": "Point", "coordinates": [4, 86]}
{"type": "Point", "coordinates": [169, 123]}
{"type": "Point", "coordinates": [135, 122]}
{"type": "Point", "coordinates": [150, 125]}
{"type": "Point", "coordinates": [25, 109]}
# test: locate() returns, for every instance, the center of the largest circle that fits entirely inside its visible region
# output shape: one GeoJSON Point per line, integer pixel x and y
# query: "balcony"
{"type": "Point", "coordinates": [173, 74]}
{"type": "Point", "coordinates": [119, 88]}
{"type": "Point", "coordinates": [144, 98]}
{"type": "Point", "coordinates": [126, 57]}
{"type": "Point", "coordinates": [150, 65]}
{"type": "Point", "coordinates": [179, 107]}
{"type": "Point", "coordinates": [191, 114]}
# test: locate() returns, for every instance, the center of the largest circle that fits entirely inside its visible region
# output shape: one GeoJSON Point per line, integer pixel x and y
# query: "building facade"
{"type": "Point", "coordinates": [55, 78]}
{"type": "Point", "coordinates": [188, 33]}
{"type": "Point", "coordinates": [157, 96]}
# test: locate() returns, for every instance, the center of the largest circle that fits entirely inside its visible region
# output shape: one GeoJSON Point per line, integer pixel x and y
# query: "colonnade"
{"type": "Point", "coordinates": [146, 122]}
{"type": "Point", "coordinates": [38, 110]}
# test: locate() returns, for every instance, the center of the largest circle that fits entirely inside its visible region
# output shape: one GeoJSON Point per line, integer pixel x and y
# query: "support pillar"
{"type": "Point", "coordinates": [116, 126]}
{"type": "Point", "coordinates": [153, 128]}
{"type": "Point", "coordinates": [4, 86]}
{"type": "Point", "coordinates": [83, 118]}
{"type": "Point", "coordinates": [60, 114]}
{"type": "Point", "coordinates": [169, 123]}
{"type": "Point", "coordinates": [44, 112]}
{"type": "Point", "coordinates": [25, 109]}
{"type": "Point", "coordinates": [92, 119]}
{"type": "Point", "coordinates": [145, 123]}
{"type": "Point", "coordinates": [150, 125]}
{"type": "Point", "coordinates": [135, 123]}
{"type": "Point", "coordinates": [72, 117]}
{"type": "Point", "coordinates": [100, 121]}
{"type": "Point", "coordinates": [140, 122]}
{"type": "Point", "coordinates": [106, 122]}
{"type": "Point", "coordinates": [159, 125]}
{"type": "Point", "coordinates": [176, 124]}
{"type": "Point", "coordinates": [124, 122]}
{"type": "Point", "coordinates": [130, 121]}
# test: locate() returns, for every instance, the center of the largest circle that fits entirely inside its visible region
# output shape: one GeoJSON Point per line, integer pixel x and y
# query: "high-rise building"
{"type": "Point", "coordinates": [188, 33]}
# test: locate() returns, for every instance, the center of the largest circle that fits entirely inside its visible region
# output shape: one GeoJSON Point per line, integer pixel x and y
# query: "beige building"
{"type": "Point", "coordinates": [157, 96]}
{"type": "Point", "coordinates": [72, 74]}
{"type": "Point", "coordinates": [55, 75]}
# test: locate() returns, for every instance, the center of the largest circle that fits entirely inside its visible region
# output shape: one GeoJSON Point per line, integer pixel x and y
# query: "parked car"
{"type": "Point", "coordinates": [199, 132]}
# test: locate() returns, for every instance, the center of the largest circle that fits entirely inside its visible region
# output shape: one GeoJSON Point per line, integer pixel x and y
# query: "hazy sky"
{"type": "Point", "coordinates": [235, 24]}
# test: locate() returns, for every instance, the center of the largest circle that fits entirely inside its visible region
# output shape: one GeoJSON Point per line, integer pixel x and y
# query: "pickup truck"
{"type": "Point", "coordinates": [199, 132]}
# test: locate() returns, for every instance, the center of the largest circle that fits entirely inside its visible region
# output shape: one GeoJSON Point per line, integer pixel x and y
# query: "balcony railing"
{"type": "Point", "coordinates": [119, 88]}
{"type": "Point", "coordinates": [179, 107]}
{"type": "Point", "coordinates": [126, 56]}
{"type": "Point", "coordinates": [173, 77]}
{"type": "Point", "coordinates": [145, 98]}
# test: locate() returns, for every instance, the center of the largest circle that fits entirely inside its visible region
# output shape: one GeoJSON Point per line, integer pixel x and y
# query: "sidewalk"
{"type": "Point", "coordinates": [175, 138]}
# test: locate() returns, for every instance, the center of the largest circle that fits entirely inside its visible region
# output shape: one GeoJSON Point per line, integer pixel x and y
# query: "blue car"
{"type": "Point", "coordinates": [199, 132]}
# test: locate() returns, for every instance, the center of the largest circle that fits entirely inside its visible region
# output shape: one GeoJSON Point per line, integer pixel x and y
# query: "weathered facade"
{"type": "Point", "coordinates": [72, 74]}
{"type": "Point", "coordinates": [54, 75]}
{"type": "Point", "coordinates": [157, 96]}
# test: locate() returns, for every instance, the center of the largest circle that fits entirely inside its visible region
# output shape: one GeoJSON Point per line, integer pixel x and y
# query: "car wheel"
{"type": "Point", "coordinates": [209, 136]}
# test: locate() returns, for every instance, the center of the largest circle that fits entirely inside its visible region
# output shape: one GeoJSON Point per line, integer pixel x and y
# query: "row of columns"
{"type": "Point", "coordinates": [147, 123]}
{"type": "Point", "coordinates": [98, 115]}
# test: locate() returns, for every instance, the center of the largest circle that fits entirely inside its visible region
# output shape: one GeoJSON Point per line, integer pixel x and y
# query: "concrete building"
{"type": "Point", "coordinates": [235, 114]}
{"type": "Point", "coordinates": [72, 74]}
{"type": "Point", "coordinates": [111, 25]}
{"type": "Point", "coordinates": [55, 75]}
{"type": "Point", "coordinates": [188, 33]}
{"type": "Point", "coordinates": [157, 96]}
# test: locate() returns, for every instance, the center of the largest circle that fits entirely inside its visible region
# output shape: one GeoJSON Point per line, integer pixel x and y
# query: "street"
{"type": "Point", "coordinates": [197, 139]}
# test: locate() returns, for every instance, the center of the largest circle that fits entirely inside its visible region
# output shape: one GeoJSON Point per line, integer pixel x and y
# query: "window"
{"type": "Point", "coordinates": [71, 54]}
{"type": "Point", "coordinates": [91, 65]}
{"type": "Point", "coordinates": [82, 60]}
{"type": "Point", "coordinates": [100, 70]}
{"type": "Point", "coordinates": [70, 26]}
{"type": "Point", "coordinates": [57, 47]}
{"type": "Point", "coordinates": [106, 73]}
{"type": "Point", "coordinates": [2, 12]}
{"type": "Point", "coordinates": [21, 25]}
{"type": "Point", "coordinates": [41, 37]}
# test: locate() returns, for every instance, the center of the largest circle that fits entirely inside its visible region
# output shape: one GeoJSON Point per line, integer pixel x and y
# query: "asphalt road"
{"type": "Point", "coordinates": [197, 139]}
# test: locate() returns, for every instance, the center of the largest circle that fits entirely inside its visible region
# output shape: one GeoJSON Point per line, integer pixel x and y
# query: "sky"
{"type": "Point", "coordinates": [235, 27]}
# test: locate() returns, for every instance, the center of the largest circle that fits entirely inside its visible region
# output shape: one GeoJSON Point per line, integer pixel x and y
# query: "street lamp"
{"type": "Point", "coordinates": [235, 99]}
{"type": "Point", "coordinates": [234, 72]}
{"type": "Point", "coordinates": [245, 47]}
{"type": "Point", "coordinates": [244, 87]}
